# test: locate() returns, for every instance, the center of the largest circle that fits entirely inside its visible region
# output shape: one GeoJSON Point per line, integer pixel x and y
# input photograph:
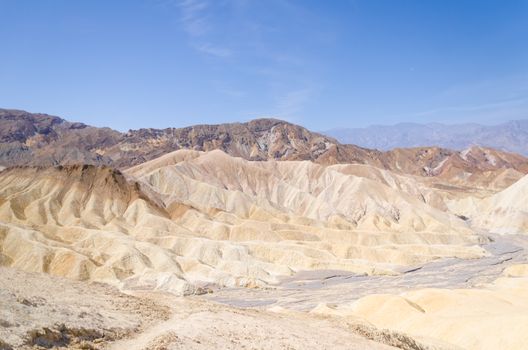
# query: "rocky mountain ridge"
{"type": "Point", "coordinates": [40, 139]}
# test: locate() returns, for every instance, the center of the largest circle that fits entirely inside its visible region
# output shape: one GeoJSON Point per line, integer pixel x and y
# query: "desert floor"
{"type": "Point", "coordinates": [312, 310]}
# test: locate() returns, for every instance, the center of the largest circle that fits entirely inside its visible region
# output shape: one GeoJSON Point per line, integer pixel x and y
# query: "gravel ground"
{"type": "Point", "coordinates": [38, 310]}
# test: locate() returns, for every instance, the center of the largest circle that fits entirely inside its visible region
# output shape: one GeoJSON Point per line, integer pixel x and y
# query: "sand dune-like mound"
{"type": "Point", "coordinates": [324, 206]}
{"type": "Point", "coordinates": [69, 195]}
{"type": "Point", "coordinates": [505, 212]}
{"type": "Point", "coordinates": [336, 194]}
{"type": "Point", "coordinates": [492, 317]}
{"type": "Point", "coordinates": [192, 218]}
{"type": "Point", "coordinates": [80, 222]}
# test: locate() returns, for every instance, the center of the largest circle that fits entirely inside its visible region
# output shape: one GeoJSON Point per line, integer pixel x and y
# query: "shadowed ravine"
{"type": "Point", "coordinates": [307, 289]}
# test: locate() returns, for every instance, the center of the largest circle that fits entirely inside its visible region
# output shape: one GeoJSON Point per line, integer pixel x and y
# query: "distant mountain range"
{"type": "Point", "coordinates": [510, 136]}
{"type": "Point", "coordinates": [44, 140]}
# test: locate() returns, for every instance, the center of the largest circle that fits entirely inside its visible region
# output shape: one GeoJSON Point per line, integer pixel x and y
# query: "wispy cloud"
{"type": "Point", "coordinates": [194, 17]}
{"type": "Point", "coordinates": [293, 102]}
{"type": "Point", "coordinates": [197, 19]}
{"type": "Point", "coordinates": [247, 46]}
{"type": "Point", "coordinates": [213, 50]}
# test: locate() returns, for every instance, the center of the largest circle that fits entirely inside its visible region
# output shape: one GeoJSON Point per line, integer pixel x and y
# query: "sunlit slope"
{"type": "Point", "coordinates": [190, 218]}
{"type": "Point", "coordinates": [494, 316]}
{"type": "Point", "coordinates": [320, 206]}
{"type": "Point", "coordinates": [300, 189]}
{"type": "Point", "coordinates": [506, 211]}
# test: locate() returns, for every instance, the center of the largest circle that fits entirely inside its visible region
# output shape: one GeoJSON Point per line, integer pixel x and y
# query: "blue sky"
{"type": "Point", "coordinates": [322, 64]}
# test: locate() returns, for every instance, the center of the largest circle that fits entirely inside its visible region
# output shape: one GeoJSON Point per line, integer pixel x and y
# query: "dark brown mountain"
{"type": "Point", "coordinates": [40, 139]}
{"type": "Point", "coordinates": [259, 139]}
